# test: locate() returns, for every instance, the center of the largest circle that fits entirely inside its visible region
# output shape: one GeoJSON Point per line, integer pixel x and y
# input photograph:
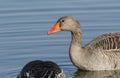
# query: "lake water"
{"type": "Point", "coordinates": [24, 25]}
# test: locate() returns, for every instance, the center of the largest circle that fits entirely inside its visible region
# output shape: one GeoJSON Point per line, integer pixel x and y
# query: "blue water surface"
{"type": "Point", "coordinates": [24, 25]}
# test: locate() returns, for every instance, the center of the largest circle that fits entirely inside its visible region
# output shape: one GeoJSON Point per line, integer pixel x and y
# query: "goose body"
{"type": "Point", "coordinates": [41, 69]}
{"type": "Point", "coordinates": [102, 53]}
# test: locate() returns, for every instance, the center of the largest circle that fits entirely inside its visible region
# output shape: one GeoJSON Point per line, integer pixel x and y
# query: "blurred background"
{"type": "Point", "coordinates": [24, 25]}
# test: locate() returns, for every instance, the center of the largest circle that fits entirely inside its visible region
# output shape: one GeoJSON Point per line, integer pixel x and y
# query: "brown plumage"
{"type": "Point", "coordinates": [102, 53]}
{"type": "Point", "coordinates": [110, 41]}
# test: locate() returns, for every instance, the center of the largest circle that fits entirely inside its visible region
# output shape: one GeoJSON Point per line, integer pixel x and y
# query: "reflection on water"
{"type": "Point", "coordinates": [97, 74]}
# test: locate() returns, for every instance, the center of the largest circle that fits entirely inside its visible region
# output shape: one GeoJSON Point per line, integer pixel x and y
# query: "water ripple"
{"type": "Point", "coordinates": [24, 26]}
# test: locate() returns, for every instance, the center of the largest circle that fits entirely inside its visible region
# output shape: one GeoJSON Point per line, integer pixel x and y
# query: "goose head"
{"type": "Point", "coordinates": [65, 23]}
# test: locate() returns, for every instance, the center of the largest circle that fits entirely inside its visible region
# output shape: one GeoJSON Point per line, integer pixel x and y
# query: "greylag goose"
{"type": "Point", "coordinates": [102, 53]}
{"type": "Point", "coordinates": [41, 69]}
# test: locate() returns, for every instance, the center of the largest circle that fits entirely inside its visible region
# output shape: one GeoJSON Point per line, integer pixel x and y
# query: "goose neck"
{"type": "Point", "coordinates": [77, 38]}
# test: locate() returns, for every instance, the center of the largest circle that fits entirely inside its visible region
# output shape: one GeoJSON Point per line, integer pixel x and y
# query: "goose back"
{"type": "Point", "coordinates": [110, 41]}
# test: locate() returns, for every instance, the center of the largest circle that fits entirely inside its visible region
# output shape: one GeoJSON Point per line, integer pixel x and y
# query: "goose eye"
{"type": "Point", "coordinates": [62, 20]}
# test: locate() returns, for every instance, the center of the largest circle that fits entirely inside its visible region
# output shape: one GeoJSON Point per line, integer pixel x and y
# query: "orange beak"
{"type": "Point", "coordinates": [55, 28]}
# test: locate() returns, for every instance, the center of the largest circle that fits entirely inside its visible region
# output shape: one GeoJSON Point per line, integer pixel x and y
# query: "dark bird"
{"type": "Point", "coordinates": [41, 69]}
